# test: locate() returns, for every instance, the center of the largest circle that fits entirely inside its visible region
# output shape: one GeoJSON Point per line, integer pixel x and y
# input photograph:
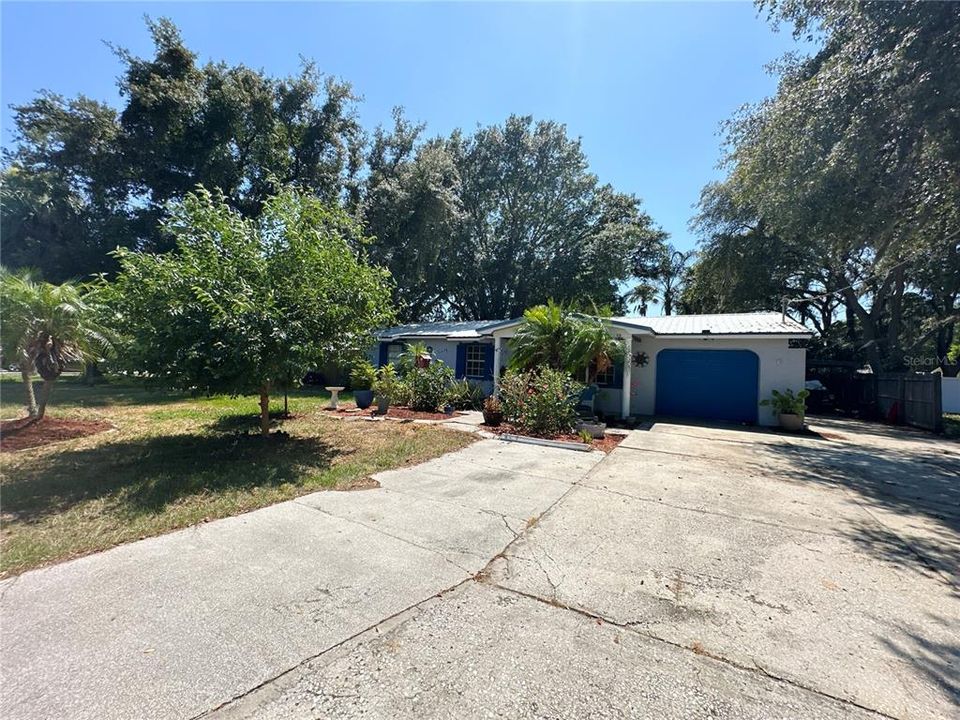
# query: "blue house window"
{"type": "Point", "coordinates": [606, 377]}
{"type": "Point", "coordinates": [394, 351]}
{"type": "Point", "coordinates": [612, 377]}
{"type": "Point", "coordinates": [475, 361]}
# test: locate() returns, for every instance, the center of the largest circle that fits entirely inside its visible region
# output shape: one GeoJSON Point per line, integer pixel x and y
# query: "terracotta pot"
{"type": "Point", "coordinates": [791, 422]}
{"type": "Point", "coordinates": [493, 419]}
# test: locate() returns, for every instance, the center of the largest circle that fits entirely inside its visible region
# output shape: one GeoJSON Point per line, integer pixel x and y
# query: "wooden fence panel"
{"type": "Point", "coordinates": [922, 401]}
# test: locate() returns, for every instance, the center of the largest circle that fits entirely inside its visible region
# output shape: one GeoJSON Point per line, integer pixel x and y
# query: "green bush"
{"type": "Point", "coordinates": [401, 394]}
{"type": "Point", "coordinates": [542, 402]}
{"type": "Point", "coordinates": [363, 375]}
{"type": "Point", "coordinates": [387, 384]}
{"type": "Point", "coordinates": [788, 403]}
{"type": "Point", "coordinates": [429, 385]}
{"type": "Point", "coordinates": [465, 395]}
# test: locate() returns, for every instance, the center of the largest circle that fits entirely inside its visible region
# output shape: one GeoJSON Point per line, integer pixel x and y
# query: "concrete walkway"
{"type": "Point", "coordinates": [174, 626]}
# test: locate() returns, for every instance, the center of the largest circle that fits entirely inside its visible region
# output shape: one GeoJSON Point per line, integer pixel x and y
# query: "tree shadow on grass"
{"type": "Point", "coordinates": [247, 422]}
{"type": "Point", "coordinates": [146, 475]}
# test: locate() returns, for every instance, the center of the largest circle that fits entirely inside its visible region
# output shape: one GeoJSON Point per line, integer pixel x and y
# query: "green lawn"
{"type": "Point", "coordinates": [174, 461]}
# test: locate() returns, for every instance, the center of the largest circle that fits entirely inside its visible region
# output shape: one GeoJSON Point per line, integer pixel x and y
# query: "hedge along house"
{"type": "Point", "coordinates": [711, 367]}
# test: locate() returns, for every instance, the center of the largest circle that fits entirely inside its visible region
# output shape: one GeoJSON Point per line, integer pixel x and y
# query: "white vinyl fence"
{"type": "Point", "coordinates": [950, 391]}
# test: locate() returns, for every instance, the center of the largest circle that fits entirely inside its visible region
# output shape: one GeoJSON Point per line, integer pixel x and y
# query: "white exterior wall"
{"type": "Point", "coordinates": [781, 367]}
{"type": "Point", "coordinates": [609, 400]}
{"type": "Point", "coordinates": [950, 392]}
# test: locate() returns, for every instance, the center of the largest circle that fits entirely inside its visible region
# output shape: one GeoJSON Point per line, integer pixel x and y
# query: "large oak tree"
{"type": "Point", "coordinates": [84, 178]}
{"type": "Point", "coordinates": [847, 181]}
{"type": "Point", "coordinates": [485, 225]}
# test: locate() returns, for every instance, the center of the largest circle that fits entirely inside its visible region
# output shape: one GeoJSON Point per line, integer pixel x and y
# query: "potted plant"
{"type": "Point", "coordinates": [789, 407]}
{"type": "Point", "coordinates": [492, 411]}
{"type": "Point", "coordinates": [385, 387]}
{"type": "Point", "coordinates": [362, 378]}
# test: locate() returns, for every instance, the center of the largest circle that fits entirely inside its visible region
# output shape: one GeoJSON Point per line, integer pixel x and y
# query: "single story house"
{"type": "Point", "coordinates": [713, 367]}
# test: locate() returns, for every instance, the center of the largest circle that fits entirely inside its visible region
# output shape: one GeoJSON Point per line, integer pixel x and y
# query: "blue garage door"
{"type": "Point", "coordinates": [708, 384]}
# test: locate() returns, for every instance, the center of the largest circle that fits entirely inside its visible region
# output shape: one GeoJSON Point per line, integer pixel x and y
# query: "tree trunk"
{"type": "Point", "coordinates": [44, 398]}
{"type": "Point", "coordinates": [92, 374]}
{"type": "Point", "coordinates": [895, 352]}
{"type": "Point", "coordinates": [265, 411]}
{"type": "Point", "coordinates": [25, 372]}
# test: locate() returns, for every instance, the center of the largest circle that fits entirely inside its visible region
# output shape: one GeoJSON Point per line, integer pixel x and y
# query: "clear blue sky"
{"type": "Point", "coordinates": [645, 86]}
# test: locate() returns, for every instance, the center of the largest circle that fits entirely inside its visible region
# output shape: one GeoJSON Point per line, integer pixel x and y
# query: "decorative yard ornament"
{"type": "Point", "coordinates": [640, 359]}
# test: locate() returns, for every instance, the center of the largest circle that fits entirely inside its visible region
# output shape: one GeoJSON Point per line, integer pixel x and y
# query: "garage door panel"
{"type": "Point", "coordinates": [708, 384]}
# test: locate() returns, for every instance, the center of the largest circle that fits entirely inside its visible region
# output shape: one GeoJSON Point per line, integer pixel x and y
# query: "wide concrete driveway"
{"type": "Point", "coordinates": [692, 573]}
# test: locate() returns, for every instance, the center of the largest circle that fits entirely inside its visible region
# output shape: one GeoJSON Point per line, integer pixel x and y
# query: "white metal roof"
{"type": "Point", "coordinates": [463, 329]}
{"type": "Point", "coordinates": [759, 323]}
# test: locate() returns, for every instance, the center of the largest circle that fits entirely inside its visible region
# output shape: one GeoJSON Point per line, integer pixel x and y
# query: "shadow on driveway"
{"type": "Point", "coordinates": [911, 483]}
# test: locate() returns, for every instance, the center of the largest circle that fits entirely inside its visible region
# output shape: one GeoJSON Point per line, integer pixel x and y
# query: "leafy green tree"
{"type": "Point", "coordinates": [539, 224]}
{"type": "Point", "coordinates": [482, 226]}
{"type": "Point", "coordinates": [243, 304]}
{"type": "Point", "coordinates": [742, 266]}
{"type": "Point", "coordinates": [853, 167]}
{"type": "Point", "coordinates": [412, 206]}
{"type": "Point", "coordinates": [89, 178]}
{"type": "Point", "coordinates": [46, 327]}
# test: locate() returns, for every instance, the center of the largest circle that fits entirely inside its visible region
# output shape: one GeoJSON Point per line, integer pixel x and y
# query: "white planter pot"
{"type": "Point", "coordinates": [596, 430]}
{"type": "Point", "coordinates": [791, 422]}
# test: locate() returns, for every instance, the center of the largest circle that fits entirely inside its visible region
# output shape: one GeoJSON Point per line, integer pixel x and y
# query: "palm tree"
{"type": "Point", "coordinates": [592, 349]}
{"type": "Point", "coordinates": [668, 273]}
{"type": "Point", "coordinates": [553, 335]}
{"type": "Point", "coordinates": [543, 337]}
{"type": "Point", "coordinates": [642, 295]}
{"type": "Point", "coordinates": [414, 356]}
{"type": "Point", "coordinates": [45, 327]}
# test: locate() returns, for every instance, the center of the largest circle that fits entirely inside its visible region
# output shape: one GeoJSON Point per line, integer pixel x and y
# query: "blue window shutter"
{"type": "Point", "coordinates": [488, 362]}
{"type": "Point", "coordinates": [384, 354]}
{"type": "Point", "coordinates": [618, 375]}
{"type": "Point", "coordinates": [461, 368]}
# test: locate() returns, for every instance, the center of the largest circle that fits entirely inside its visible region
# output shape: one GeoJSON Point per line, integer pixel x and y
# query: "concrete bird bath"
{"type": "Point", "coordinates": [334, 397]}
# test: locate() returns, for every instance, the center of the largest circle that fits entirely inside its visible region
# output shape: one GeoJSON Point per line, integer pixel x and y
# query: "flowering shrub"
{"type": "Point", "coordinates": [542, 402]}
{"type": "Point", "coordinates": [429, 385]}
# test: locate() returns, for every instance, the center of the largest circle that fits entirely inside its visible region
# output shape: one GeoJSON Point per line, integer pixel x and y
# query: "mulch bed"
{"type": "Point", "coordinates": [398, 412]}
{"type": "Point", "coordinates": [24, 433]}
{"type": "Point", "coordinates": [606, 443]}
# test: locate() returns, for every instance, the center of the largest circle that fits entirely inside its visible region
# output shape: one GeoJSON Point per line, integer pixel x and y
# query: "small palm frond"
{"type": "Point", "coordinates": [49, 325]}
